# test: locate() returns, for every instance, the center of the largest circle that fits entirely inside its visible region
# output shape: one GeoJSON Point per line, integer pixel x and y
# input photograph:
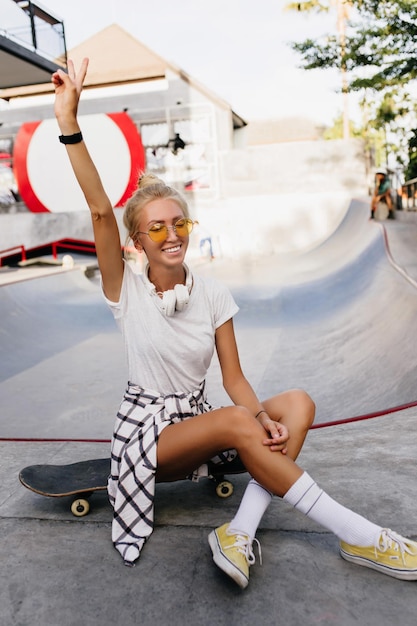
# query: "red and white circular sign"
{"type": "Point", "coordinates": [43, 173]}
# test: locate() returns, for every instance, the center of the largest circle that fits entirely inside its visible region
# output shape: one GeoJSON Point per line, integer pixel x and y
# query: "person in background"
{"type": "Point", "coordinates": [382, 193]}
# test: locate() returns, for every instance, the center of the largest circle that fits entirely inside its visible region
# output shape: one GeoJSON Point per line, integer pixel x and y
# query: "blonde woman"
{"type": "Point", "coordinates": [172, 321]}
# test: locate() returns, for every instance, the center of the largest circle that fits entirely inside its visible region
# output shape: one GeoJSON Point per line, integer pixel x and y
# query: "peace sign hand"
{"type": "Point", "coordinates": [68, 89]}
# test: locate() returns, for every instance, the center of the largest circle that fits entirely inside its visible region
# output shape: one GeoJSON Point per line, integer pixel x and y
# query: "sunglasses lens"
{"type": "Point", "coordinates": [158, 232]}
{"type": "Point", "coordinates": [184, 227]}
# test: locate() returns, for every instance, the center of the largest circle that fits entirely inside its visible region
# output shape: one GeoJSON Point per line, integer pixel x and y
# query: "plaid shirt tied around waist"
{"type": "Point", "coordinates": [141, 418]}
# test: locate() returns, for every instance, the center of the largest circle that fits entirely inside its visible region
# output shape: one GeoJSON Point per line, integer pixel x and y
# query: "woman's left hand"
{"type": "Point", "coordinates": [278, 435]}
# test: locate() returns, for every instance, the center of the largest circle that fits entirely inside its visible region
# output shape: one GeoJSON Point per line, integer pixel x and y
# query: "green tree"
{"type": "Point", "coordinates": [390, 110]}
{"type": "Point", "coordinates": [336, 131]}
{"type": "Point", "coordinates": [411, 170]}
{"type": "Point", "coordinates": [379, 48]}
{"type": "Point", "coordinates": [379, 58]}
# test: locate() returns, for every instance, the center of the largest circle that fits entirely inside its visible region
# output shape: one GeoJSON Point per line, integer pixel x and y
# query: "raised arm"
{"type": "Point", "coordinates": [68, 89]}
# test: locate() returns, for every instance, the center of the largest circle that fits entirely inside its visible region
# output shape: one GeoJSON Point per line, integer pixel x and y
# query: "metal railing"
{"type": "Point", "coordinates": [36, 29]}
{"type": "Point", "coordinates": [53, 247]}
{"type": "Point", "coordinates": [72, 244]}
{"type": "Point", "coordinates": [12, 251]}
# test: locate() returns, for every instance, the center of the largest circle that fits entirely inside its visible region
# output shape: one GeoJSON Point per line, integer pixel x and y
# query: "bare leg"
{"type": "Point", "coordinates": [362, 541]}
{"type": "Point", "coordinates": [295, 409]}
{"type": "Point", "coordinates": [184, 446]}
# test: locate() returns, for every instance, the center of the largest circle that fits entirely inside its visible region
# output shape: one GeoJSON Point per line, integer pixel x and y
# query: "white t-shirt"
{"type": "Point", "coordinates": [170, 354]}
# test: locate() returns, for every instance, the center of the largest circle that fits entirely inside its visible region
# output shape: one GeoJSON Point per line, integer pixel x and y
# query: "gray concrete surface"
{"type": "Point", "coordinates": [341, 324]}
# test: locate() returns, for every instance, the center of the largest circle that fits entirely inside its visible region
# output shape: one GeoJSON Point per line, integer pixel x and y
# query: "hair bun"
{"type": "Point", "coordinates": [146, 180]}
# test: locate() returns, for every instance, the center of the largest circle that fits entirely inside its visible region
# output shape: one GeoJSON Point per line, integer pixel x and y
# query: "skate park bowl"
{"type": "Point", "coordinates": [337, 320]}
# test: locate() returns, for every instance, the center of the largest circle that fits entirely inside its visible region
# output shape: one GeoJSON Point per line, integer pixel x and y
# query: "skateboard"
{"type": "Point", "coordinates": [217, 473]}
{"type": "Point", "coordinates": [80, 480]}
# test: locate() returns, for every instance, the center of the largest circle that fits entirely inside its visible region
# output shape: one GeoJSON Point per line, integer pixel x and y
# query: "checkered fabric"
{"type": "Point", "coordinates": [141, 418]}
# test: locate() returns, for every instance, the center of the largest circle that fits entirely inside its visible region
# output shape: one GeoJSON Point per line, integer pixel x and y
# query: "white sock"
{"type": "Point", "coordinates": [306, 496]}
{"type": "Point", "coordinates": [254, 503]}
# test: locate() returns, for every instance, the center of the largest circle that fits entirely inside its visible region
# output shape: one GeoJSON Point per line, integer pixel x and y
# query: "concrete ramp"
{"type": "Point", "coordinates": [63, 370]}
{"type": "Point", "coordinates": [338, 321]}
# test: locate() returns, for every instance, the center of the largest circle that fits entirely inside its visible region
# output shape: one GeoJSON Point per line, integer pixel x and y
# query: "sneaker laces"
{"type": "Point", "coordinates": [243, 545]}
{"type": "Point", "coordinates": [389, 539]}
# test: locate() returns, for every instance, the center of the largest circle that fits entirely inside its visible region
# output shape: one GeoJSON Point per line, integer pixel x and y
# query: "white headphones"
{"type": "Point", "coordinates": [174, 299]}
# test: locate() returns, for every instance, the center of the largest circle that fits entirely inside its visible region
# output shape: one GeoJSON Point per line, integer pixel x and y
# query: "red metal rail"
{"type": "Point", "coordinates": [72, 244]}
{"type": "Point", "coordinates": [63, 244]}
{"type": "Point", "coordinates": [10, 251]}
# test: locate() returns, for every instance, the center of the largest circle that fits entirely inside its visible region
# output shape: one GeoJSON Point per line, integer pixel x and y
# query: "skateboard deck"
{"type": "Point", "coordinates": [83, 478]}
{"type": "Point", "coordinates": [79, 479]}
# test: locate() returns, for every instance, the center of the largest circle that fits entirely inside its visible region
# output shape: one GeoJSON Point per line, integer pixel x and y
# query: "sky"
{"type": "Point", "coordinates": [239, 49]}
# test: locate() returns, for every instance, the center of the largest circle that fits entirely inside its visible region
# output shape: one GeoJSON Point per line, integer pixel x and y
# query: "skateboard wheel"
{"type": "Point", "coordinates": [79, 508]}
{"type": "Point", "coordinates": [224, 489]}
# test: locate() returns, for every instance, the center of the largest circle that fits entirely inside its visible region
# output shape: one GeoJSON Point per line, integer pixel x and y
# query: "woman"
{"type": "Point", "coordinates": [165, 428]}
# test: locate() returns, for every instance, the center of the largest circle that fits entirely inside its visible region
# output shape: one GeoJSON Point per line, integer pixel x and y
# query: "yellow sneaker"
{"type": "Point", "coordinates": [392, 554]}
{"type": "Point", "coordinates": [233, 553]}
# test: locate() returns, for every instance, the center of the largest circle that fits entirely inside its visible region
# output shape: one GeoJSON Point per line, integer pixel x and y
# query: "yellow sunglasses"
{"type": "Point", "coordinates": [159, 232]}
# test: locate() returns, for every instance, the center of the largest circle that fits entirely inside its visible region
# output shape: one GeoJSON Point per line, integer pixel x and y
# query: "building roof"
{"type": "Point", "coordinates": [21, 62]}
{"type": "Point", "coordinates": [117, 58]}
{"type": "Point", "coordinates": [21, 66]}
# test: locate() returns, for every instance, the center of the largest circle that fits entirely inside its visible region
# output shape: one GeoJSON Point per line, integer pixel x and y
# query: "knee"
{"type": "Point", "coordinates": [242, 423]}
{"type": "Point", "coordinates": [304, 406]}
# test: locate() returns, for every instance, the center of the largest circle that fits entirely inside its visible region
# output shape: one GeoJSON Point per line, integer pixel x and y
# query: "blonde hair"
{"type": "Point", "coordinates": [150, 187]}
